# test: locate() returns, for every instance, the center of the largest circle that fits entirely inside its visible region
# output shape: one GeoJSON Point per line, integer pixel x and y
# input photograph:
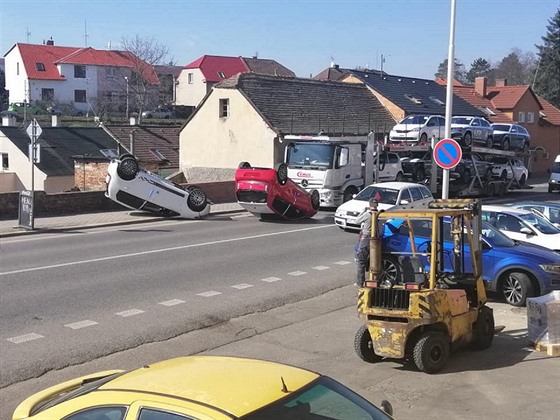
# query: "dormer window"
{"type": "Point", "coordinates": [413, 99]}
{"type": "Point", "coordinates": [110, 153]}
{"type": "Point", "coordinates": [158, 154]}
{"type": "Point", "coordinates": [40, 66]}
{"type": "Point", "coordinates": [221, 75]}
{"type": "Point", "coordinates": [487, 111]}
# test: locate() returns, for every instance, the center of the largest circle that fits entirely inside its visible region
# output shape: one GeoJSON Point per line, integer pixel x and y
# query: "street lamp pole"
{"type": "Point", "coordinates": [127, 113]}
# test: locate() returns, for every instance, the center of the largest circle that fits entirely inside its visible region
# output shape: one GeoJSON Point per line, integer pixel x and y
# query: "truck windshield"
{"type": "Point", "coordinates": [310, 154]}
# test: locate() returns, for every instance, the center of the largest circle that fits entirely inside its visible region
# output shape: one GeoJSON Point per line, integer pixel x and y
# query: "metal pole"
{"type": "Point", "coordinates": [449, 96]}
{"type": "Point", "coordinates": [127, 113]}
{"type": "Point", "coordinates": [33, 145]}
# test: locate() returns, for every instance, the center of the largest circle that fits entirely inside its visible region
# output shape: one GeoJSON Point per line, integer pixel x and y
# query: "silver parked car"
{"type": "Point", "coordinates": [469, 130]}
{"type": "Point", "coordinates": [159, 112]}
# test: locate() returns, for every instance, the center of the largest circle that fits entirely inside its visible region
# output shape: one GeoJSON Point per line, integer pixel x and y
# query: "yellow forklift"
{"type": "Point", "coordinates": [421, 301]}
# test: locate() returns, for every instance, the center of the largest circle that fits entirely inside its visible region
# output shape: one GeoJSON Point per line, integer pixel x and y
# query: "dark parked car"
{"type": "Point", "coordinates": [469, 166]}
{"type": "Point", "coordinates": [514, 269]}
{"type": "Point", "coordinates": [269, 193]}
{"type": "Point", "coordinates": [511, 136]}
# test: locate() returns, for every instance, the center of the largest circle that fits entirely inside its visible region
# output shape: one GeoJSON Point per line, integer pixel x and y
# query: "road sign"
{"type": "Point", "coordinates": [447, 153]}
{"type": "Point", "coordinates": [34, 130]}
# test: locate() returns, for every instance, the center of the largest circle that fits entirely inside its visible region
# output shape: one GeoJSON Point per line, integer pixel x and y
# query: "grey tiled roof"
{"type": "Point", "coordinates": [397, 88]}
{"type": "Point", "coordinates": [163, 139]}
{"type": "Point", "coordinates": [60, 144]}
{"type": "Point", "coordinates": [307, 106]}
{"type": "Point", "coordinates": [267, 66]}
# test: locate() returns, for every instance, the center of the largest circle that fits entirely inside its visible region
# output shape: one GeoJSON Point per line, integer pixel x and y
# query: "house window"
{"type": "Point", "coordinates": [47, 94]}
{"type": "Point", "coordinates": [5, 162]}
{"type": "Point", "coordinates": [521, 117]}
{"type": "Point", "coordinates": [80, 96]}
{"type": "Point", "coordinates": [158, 154]}
{"type": "Point", "coordinates": [224, 108]}
{"type": "Point", "coordinates": [112, 96]}
{"type": "Point", "coordinates": [40, 66]}
{"type": "Point", "coordinates": [190, 78]}
{"type": "Point", "coordinates": [221, 75]}
{"type": "Point", "coordinates": [530, 117]}
{"type": "Point", "coordinates": [79, 72]}
{"type": "Point", "coordinates": [413, 99]}
{"type": "Point", "coordinates": [110, 153]}
{"type": "Point", "coordinates": [437, 101]}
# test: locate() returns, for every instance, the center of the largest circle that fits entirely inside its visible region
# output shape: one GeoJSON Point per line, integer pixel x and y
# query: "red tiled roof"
{"type": "Point", "coordinates": [443, 82]}
{"type": "Point", "coordinates": [211, 65]}
{"type": "Point", "coordinates": [552, 113]}
{"type": "Point", "coordinates": [468, 94]}
{"type": "Point", "coordinates": [51, 55]}
{"type": "Point", "coordinates": [506, 97]}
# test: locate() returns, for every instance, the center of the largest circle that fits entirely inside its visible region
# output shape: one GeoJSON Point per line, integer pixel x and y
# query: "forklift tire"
{"type": "Point", "coordinates": [364, 346]}
{"type": "Point", "coordinates": [431, 351]}
{"type": "Point", "coordinates": [483, 329]}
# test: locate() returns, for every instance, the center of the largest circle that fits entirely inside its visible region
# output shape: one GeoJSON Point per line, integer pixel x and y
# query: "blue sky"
{"type": "Point", "coordinates": [303, 35]}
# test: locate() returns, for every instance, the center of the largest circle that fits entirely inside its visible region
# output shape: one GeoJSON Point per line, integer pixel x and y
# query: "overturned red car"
{"type": "Point", "coordinates": [269, 193]}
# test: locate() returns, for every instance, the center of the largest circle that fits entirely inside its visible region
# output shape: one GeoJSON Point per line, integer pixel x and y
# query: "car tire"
{"type": "Point", "coordinates": [431, 351]}
{"type": "Point", "coordinates": [244, 165]}
{"type": "Point", "coordinates": [467, 140]}
{"type": "Point", "coordinates": [127, 167]}
{"type": "Point", "coordinates": [197, 199]}
{"type": "Point", "coordinates": [79, 114]}
{"type": "Point", "coordinates": [315, 200]}
{"type": "Point", "coordinates": [282, 173]}
{"type": "Point", "coordinates": [363, 345]}
{"type": "Point", "coordinates": [488, 175]}
{"type": "Point", "coordinates": [489, 142]}
{"type": "Point", "coordinates": [420, 175]}
{"type": "Point", "coordinates": [390, 269]}
{"type": "Point", "coordinates": [505, 144]}
{"type": "Point", "coordinates": [516, 287]}
{"type": "Point", "coordinates": [424, 138]}
{"type": "Point", "coordinates": [399, 177]}
{"type": "Point", "coordinates": [525, 146]}
{"type": "Point", "coordinates": [522, 180]}
{"type": "Point", "coordinates": [483, 329]}
{"type": "Point", "coordinates": [466, 176]}
{"type": "Point", "coordinates": [503, 175]}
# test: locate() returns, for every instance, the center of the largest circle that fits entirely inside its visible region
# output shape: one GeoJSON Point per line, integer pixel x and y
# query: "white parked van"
{"type": "Point", "coordinates": [554, 181]}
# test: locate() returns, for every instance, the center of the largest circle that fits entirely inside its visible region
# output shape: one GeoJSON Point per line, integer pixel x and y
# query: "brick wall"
{"type": "Point", "coordinates": [95, 201]}
{"type": "Point", "coordinates": [90, 176]}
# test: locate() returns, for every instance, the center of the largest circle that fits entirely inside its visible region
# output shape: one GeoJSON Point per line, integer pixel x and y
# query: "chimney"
{"type": "Point", "coordinates": [132, 142]}
{"type": "Point", "coordinates": [8, 121]}
{"type": "Point", "coordinates": [54, 120]}
{"type": "Point", "coordinates": [480, 84]}
{"type": "Point", "coordinates": [50, 41]}
{"type": "Point", "coordinates": [501, 82]}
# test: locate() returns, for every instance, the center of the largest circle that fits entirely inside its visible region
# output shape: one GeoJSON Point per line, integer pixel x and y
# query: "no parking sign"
{"type": "Point", "coordinates": [447, 153]}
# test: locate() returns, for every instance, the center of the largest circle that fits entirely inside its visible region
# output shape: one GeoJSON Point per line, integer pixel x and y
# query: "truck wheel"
{"type": "Point", "coordinates": [128, 167]}
{"type": "Point", "coordinates": [349, 194]}
{"type": "Point", "coordinates": [282, 173]}
{"type": "Point", "coordinates": [467, 139]}
{"type": "Point", "coordinates": [315, 200]}
{"type": "Point", "coordinates": [431, 351]}
{"type": "Point", "coordinates": [483, 329]}
{"type": "Point", "coordinates": [197, 200]}
{"type": "Point", "coordinates": [516, 288]}
{"type": "Point", "coordinates": [244, 165]}
{"type": "Point", "coordinates": [364, 346]}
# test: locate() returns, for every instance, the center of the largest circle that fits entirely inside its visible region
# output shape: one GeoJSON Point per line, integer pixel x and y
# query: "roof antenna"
{"type": "Point", "coordinates": [284, 387]}
{"type": "Point", "coordinates": [27, 34]}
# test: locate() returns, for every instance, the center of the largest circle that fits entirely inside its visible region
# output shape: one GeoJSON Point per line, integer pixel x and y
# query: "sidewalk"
{"type": "Point", "coordinates": [90, 220]}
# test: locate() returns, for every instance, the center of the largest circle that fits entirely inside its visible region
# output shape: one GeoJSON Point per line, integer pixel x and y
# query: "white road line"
{"type": "Point", "coordinates": [172, 302]}
{"type": "Point", "coordinates": [242, 286]}
{"type": "Point", "coordinates": [81, 324]}
{"type": "Point", "coordinates": [297, 273]}
{"type": "Point", "coordinates": [320, 268]}
{"type": "Point", "coordinates": [271, 279]}
{"type": "Point", "coordinates": [158, 251]}
{"type": "Point", "coordinates": [209, 294]}
{"type": "Point", "coordinates": [130, 312]}
{"type": "Point", "coordinates": [343, 262]}
{"type": "Point", "coordinates": [23, 338]}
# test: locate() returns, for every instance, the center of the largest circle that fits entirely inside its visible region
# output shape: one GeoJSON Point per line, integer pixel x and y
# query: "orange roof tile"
{"type": "Point", "coordinates": [506, 97]}
{"type": "Point", "coordinates": [552, 113]}
{"type": "Point", "coordinates": [468, 94]}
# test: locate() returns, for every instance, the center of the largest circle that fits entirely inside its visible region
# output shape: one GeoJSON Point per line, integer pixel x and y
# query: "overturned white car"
{"type": "Point", "coordinates": [139, 189]}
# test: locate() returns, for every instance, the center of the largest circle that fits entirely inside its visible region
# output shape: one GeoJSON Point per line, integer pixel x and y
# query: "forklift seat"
{"type": "Point", "coordinates": [412, 269]}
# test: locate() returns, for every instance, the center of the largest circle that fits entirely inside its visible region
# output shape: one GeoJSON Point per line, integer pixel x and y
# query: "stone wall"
{"type": "Point", "coordinates": [95, 201]}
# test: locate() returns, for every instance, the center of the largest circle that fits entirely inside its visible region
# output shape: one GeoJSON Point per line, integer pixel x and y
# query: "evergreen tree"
{"type": "Point", "coordinates": [547, 81]}
{"type": "Point", "coordinates": [512, 69]}
{"type": "Point", "coordinates": [458, 70]}
{"type": "Point", "coordinates": [479, 68]}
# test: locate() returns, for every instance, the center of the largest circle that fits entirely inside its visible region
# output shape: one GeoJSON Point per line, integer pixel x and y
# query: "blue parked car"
{"type": "Point", "coordinates": [514, 269]}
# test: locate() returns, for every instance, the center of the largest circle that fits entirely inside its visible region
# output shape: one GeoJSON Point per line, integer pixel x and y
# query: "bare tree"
{"type": "Point", "coordinates": [144, 54]}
